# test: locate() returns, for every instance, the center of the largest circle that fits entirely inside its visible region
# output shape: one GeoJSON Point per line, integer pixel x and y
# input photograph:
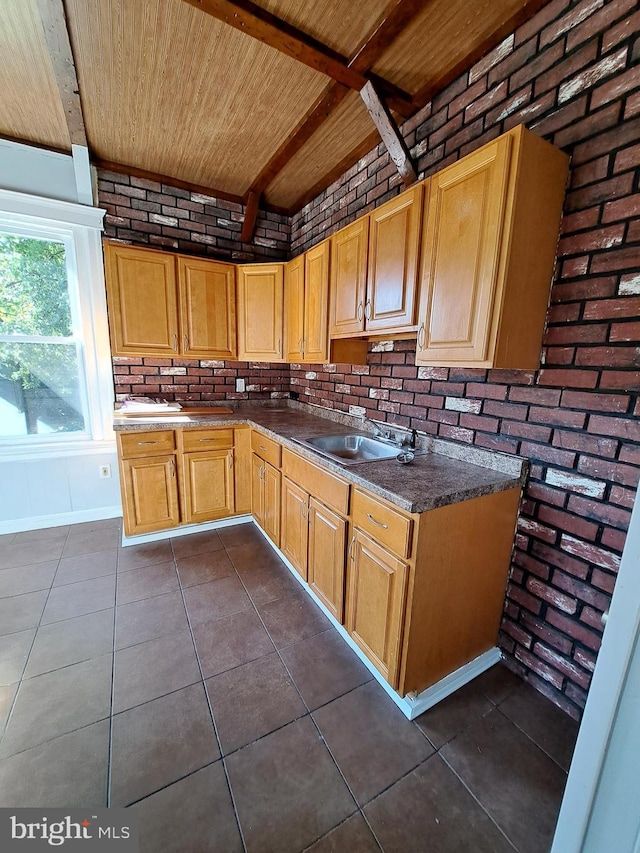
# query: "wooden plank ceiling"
{"type": "Point", "coordinates": [248, 100]}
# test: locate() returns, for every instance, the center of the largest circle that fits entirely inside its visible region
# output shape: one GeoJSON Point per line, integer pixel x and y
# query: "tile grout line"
{"type": "Point", "coordinates": [211, 714]}
{"type": "Point", "coordinates": [310, 715]}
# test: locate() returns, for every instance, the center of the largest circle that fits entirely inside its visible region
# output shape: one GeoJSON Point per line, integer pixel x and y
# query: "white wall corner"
{"type": "Point", "coordinates": [82, 172]}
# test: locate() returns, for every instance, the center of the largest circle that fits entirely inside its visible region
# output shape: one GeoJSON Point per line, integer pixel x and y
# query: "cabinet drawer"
{"type": "Point", "coordinates": [384, 524]}
{"type": "Point", "coordinates": [206, 439]}
{"type": "Point", "coordinates": [328, 488]}
{"type": "Point", "coordinates": [266, 448]}
{"type": "Point", "coordinates": [151, 443]}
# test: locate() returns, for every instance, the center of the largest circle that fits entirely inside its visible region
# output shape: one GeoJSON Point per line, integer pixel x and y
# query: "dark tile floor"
{"type": "Point", "coordinates": [192, 680]}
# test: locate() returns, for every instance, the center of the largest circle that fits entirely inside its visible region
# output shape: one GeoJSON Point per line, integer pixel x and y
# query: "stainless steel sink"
{"type": "Point", "coordinates": [351, 448]}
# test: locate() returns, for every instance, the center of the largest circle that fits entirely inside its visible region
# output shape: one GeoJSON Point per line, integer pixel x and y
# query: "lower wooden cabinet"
{"type": "Point", "coordinates": [207, 485]}
{"type": "Point", "coordinates": [376, 598]}
{"type": "Point", "coordinates": [294, 539]}
{"type": "Point", "coordinates": [327, 538]}
{"type": "Point", "coordinates": [183, 476]}
{"type": "Point", "coordinates": [265, 497]}
{"type": "Point", "coordinates": [150, 494]}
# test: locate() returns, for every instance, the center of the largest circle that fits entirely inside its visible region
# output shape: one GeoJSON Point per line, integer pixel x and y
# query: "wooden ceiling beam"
{"type": "Point", "coordinates": [56, 34]}
{"type": "Point", "coordinates": [389, 133]}
{"type": "Point", "coordinates": [247, 17]}
{"type": "Point", "coordinates": [250, 216]}
{"type": "Point", "coordinates": [395, 17]}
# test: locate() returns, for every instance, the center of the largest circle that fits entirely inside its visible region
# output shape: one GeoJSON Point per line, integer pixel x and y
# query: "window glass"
{"type": "Point", "coordinates": [41, 386]}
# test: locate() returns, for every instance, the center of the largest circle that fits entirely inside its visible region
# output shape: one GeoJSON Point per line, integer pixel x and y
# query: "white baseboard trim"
{"type": "Point", "coordinates": [184, 530]}
{"type": "Point", "coordinates": [410, 707]}
{"type": "Point", "coordinates": [18, 525]}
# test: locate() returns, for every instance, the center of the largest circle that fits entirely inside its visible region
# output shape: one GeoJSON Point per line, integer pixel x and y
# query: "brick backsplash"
{"type": "Point", "coordinates": [572, 75]}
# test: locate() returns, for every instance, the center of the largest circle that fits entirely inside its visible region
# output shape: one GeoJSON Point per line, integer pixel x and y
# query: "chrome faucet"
{"type": "Point", "coordinates": [378, 430]}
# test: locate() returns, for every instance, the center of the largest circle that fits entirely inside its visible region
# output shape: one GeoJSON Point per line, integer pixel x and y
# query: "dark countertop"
{"type": "Point", "coordinates": [444, 473]}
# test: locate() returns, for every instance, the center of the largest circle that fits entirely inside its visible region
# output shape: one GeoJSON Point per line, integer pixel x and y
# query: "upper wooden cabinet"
{"type": "Point", "coordinates": [260, 312]}
{"type": "Point", "coordinates": [489, 243]}
{"type": "Point", "coordinates": [316, 303]}
{"type": "Point", "coordinates": [349, 278]}
{"type": "Point", "coordinates": [143, 302]}
{"type": "Point", "coordinates": [294, 308]}
{"type": "Point", "coordinates": [394, 240]}
{"type": "Point", "coordinates": [167, 305]}
{"type": "Point", "coordinates": [207, 298]}
{"type": "Point", "coordinates": [374, 269]}
{"type": "Point", "coordinates": [306, 298]}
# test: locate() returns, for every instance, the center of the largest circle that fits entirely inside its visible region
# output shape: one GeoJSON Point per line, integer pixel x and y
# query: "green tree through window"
{"type": "Point", "coordinates": [39, 382]}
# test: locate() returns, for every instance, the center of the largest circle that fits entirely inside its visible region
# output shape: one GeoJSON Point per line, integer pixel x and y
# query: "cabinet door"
{"type": "Point", "coordinates": [461, 251]}
{"type": "Point", "coordinates": [316, 298]}
{"type": "Point", "coordinates": [349, 278]}
{"type": "Point", "coordinates": [271, 482]}
{"type": "Point", "coordinates": [376, 597]}
{"type": "Point", "coordinates": [295, 525]}
{"type": "Point", "coordinates": [150, 494]}
{"type": "Point", "coordinates": [207, 485]}
{"type": "Point", "coordinates": [260, 312]}
{"type": "Point", "coordinates": [327, 536]}
{"type": "Point", "coordinates": [141, 296]}
{"type": "Point", "coordinates": [257, 489]}
{"type": "Point", "coordinates": [394, 239]}
{"type": "Point", "coordinates": [242, 469]}
{"type": "Point", "coordinates": [207, 296]}
{"type": "Point", "coordinates": [294, 308]}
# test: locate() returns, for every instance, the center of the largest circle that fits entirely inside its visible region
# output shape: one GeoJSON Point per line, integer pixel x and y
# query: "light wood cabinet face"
{"type": "Point", "coordinates": [272, 503]}
{"type": "Point", "coordinates": [394, 238]}
{"type": "Point", "coordinates": [295, 525]}
{"type": "Point", "coordinates": [294, 308]}
{"type": "Point", "coordinates": [260, 312]}
{"type": "Point", "coordinates": [150, 494]}
{"type": "Point", "coordinates": [461, 253]}
{"type": "Point", "coordinates": [375, 608]}
{"type": "Point", "coordinates": [349, 278]}
{"type": "Point", "coordinates": [207, 299]}
{"type": "Point", "coordinates": [327, 537]}
{"type": "Point", "coordinates": [265, 497]}
{"type": "Point", "coordinates": [143, 310]}
{"type": "Point", "coordinates": [316, 303]}
{"type": "Point", "coordinates": [207, 485]}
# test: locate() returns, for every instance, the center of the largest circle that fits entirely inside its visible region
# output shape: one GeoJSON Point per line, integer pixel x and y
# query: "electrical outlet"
{"type": "Point", "coordinates": [104, 471]}
{"type": "Point", "coordinates": [240, 385]}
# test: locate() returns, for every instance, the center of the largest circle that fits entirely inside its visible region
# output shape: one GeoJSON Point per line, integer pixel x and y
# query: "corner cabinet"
{"type": "Point", "coordinates": [488, 248]}
{"type": "Point", "coordinates": [266, 484]}
{"type": "Point", "coordinates": [169, 305]}
{"type": "Point", "coordinates": [260, 312]}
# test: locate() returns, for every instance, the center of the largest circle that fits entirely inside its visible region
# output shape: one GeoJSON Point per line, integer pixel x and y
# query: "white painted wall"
{"type": "Point", "coordinates": [48, 485]}
{"type": "Point", "coordinates": [26, 169]}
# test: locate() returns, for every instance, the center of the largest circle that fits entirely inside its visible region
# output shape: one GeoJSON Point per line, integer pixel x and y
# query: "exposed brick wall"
{"type": "Point", "coordinates": [572, 75]}
{"type": "Point", "coordinates": [147, 213]}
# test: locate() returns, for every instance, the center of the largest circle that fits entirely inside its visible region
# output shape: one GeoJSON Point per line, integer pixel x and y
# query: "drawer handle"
{"type": "Point", "coordinates": [209, 439]}
{"type": "Point", "coordinates": [172, 465]}
{"type": "Point", "coordinates": [350, 549]}
{"type": "Point", "coordinates": [262, 447]}
{"type": "Point", "coordinates": [379, 523]}
{"type": "Point", "coordinates": [142, 443]}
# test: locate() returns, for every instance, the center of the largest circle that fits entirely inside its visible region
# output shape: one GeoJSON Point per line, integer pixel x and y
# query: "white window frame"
{"type": "Point", "coordinates": [79, 228]}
